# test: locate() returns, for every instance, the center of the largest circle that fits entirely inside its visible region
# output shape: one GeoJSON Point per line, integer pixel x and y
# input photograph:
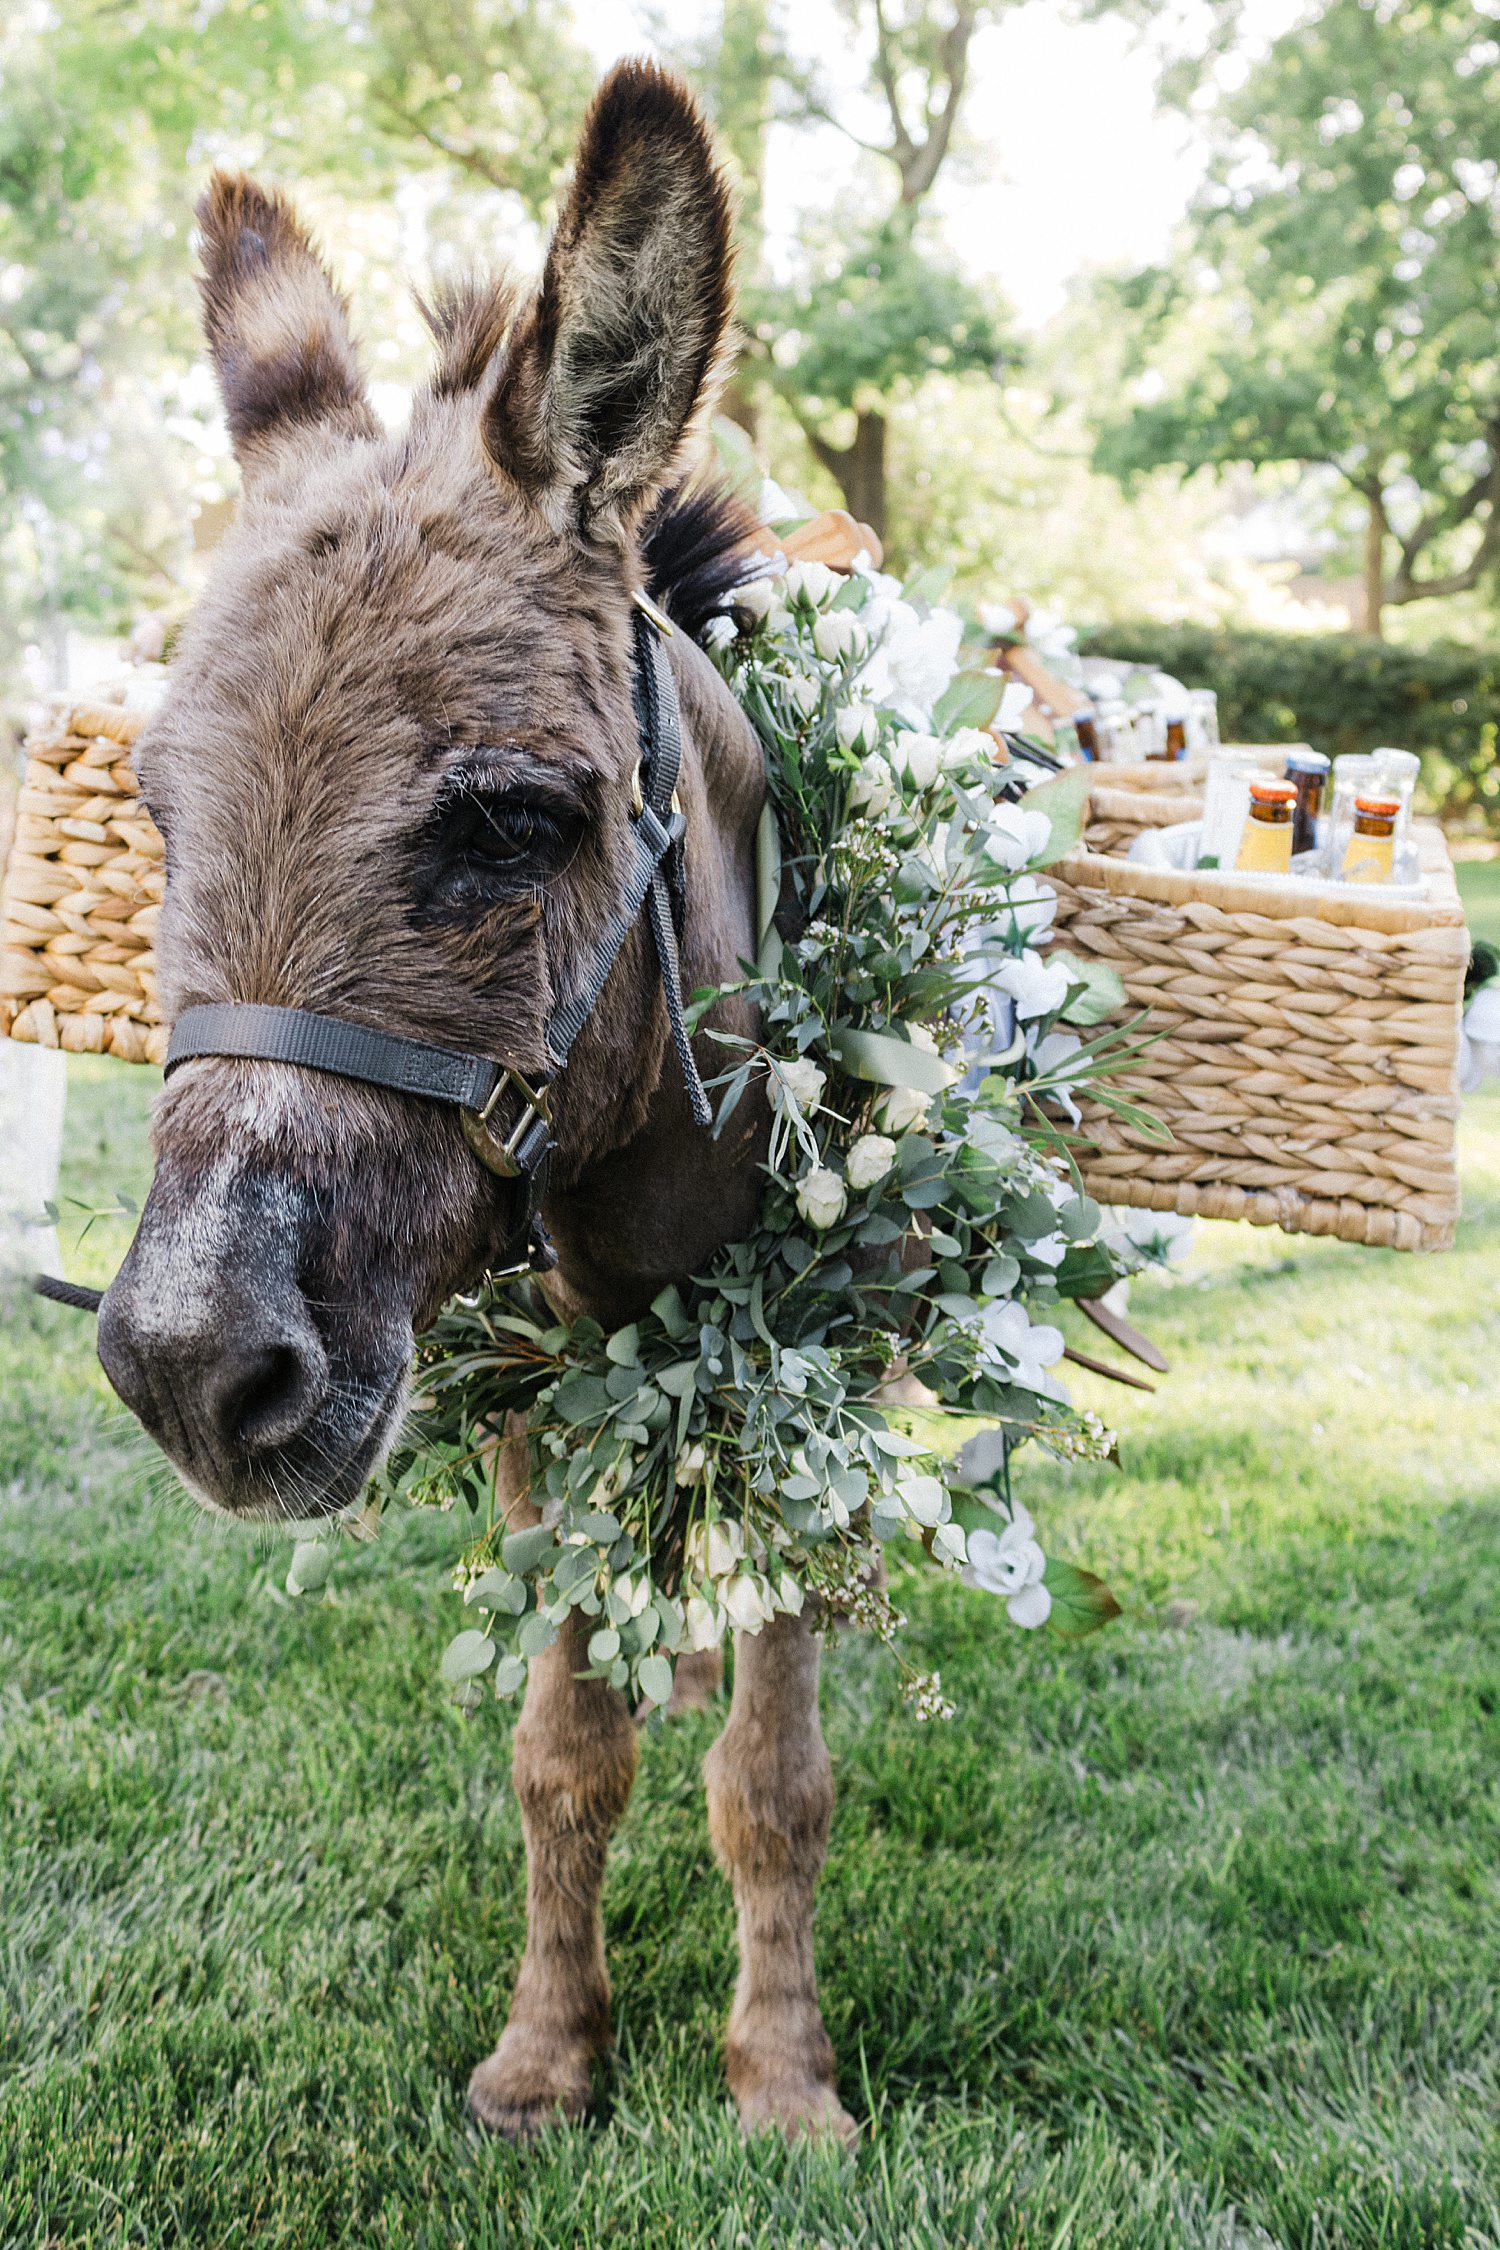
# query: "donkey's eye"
{"type": "Point", "coordinates": [504, 833]}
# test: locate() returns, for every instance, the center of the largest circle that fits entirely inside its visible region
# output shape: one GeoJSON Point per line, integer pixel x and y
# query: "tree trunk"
{"type": "Point", "coordinates": [859, 469]}
{"type": "Point", "coordinates": [1374, 571]}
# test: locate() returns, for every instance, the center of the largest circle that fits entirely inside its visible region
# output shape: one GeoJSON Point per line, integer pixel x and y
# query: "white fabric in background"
{"type": "Point", "coordinates": [33, 1093]}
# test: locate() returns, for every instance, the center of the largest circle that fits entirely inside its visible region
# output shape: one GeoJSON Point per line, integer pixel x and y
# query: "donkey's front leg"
{"type": "Point", "coordinates": [770, 1796]}
{"type": "Point", "coordinates": [572, 1763]}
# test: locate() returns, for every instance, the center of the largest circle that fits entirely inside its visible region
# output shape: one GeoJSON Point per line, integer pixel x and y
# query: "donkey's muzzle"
{"type": "Point", "coordinates": [208, 1337]}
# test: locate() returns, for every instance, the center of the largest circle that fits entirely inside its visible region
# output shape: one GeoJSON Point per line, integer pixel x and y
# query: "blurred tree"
{"type": "Point", "coordinates": [873, 318]}
{"type": "Point", "coordinates": [1336, 297]}
{"type": "Point", "coordinates": [110, 116]}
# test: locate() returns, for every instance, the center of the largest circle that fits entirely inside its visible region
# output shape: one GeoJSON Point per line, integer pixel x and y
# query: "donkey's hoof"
{"type": "Point", "coordinates": [801, 2109]}
{"type": "Point", "coordinates": [528, 2084]}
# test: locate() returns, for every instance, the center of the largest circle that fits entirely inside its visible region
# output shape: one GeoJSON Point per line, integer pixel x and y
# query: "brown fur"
{"type": "Point", "coordinates": [400, 631]}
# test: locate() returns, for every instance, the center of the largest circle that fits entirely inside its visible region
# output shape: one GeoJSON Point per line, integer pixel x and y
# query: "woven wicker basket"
{"type": "Point", "coordinates": [1306, 1062]}
{"type": "Point", "coordinates": [82, 892]}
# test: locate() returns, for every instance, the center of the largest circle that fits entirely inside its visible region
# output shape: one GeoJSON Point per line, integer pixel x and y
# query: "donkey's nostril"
{"type": "Point", "coordinates": [265, 1394]}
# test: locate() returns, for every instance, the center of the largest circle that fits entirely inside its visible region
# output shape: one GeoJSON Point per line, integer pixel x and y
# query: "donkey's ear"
{"type": "Point", "coordinates": [277, 327]}
{"type": "Point", "coordinates": [624, 342]}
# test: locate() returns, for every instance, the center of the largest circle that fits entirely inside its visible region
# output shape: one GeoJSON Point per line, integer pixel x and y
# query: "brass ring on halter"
{"type": "Point", "coordinates": [500, 1156]}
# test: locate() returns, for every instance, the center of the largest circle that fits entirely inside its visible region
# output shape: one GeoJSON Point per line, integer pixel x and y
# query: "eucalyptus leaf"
{"type": "Point", "coordinates": [654, 1676]}
{"type": "Point", "coordinates": [525, 1551]}
{"type": "Point", "coordinates": [467, 1655]}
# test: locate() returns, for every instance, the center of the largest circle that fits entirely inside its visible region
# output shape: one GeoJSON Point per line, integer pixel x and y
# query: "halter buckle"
{"type": "Point", "coordinates": [506, 1156]}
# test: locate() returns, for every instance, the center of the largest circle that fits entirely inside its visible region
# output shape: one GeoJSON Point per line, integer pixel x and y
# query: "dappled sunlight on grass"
{"type": "Point", "coordinates": [1184, 1935]}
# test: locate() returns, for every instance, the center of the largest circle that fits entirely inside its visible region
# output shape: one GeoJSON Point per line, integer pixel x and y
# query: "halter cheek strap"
{"type": "Point", "coordinates": [476, 1084]}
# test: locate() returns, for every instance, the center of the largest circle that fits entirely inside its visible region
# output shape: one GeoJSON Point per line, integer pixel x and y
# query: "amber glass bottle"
{"type": "Point", "coordinates": [1266, 846]}
{"type": "Point", "coordinates": [1372, 847]}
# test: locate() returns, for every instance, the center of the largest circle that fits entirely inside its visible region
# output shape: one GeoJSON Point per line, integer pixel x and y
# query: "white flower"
{"type": "Point", "coordinates": [1053, 1057]}
{"type": "Point", "coordinates": [821, 1197]}
{"type": "Point", "coordinates": [1016, 1350]}
{"type": "Point", "coordinates": [1011, 1564]}
{"type": "Point", "coordinates": [692, 1466]}
{"type": "Point", "coordinates": [872, 788]}
{"type": "Point", "coordinates": [789, 1596]}
{"type": "Point", "coordinates": [1035, 985]}
{"type": "Point", "coordinates": [1014, 837]}
{"type": "Point", "coordinates": [856, 726]}
{"type": "Point", "coordinates": [719, 632]}
{"type": "Point", "coordinates": [704, 1622]}
{"type": "Point", "coordinates": [869, 1160]}
{"type": "Point", "coordinates": [1165, 1236]}
{"type": "Point", "coordinates": [902, 1108]}
{"type": "Point", "coordinates": [918, 1035]}
{"type": "Point", "coordinates": [634, 1591]}
{"type": "Point", "coordinates": [758, 596]}
{"type": "Point", "coordinates": [919, 759]}
{"type": "Point", "coordinates": [1049, 1251]}
{"type": "Point", "coordinates": [1479, 1039]}
{"type": "Point", "coordinates": [810, 585]}
{"type": "Point", "coordinates": [1014, 704]}
{"type": "Point", "coordinates": [998, 618]}
{"type": "Point", "coordinates": [805, 693]}
{"type": "Point", "coordinates": [715, 1549]}
{"type": "Point", "coordinates": [802, 1081]}
{"type": "Point", "coordinates": [1031, 908]}
{"type": "Point", "coordinates": [915, 657]}
{"type": "Point", "coordinates": [967, 748]}
{"type": "Point", "coordinates": [777, 506]}
{"type": "Point", "coordinates": [839, 635]}
{"type": "Point", "coordinates": [748, 1603]}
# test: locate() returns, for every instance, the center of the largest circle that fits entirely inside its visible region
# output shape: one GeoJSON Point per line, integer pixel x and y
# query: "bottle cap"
{"type": "Point", "coordinates": [1384, 808]}
{"type": "Point", "coordinates": [1306, 761]}
{"type": "Point", "coordinates": [1272, 792]}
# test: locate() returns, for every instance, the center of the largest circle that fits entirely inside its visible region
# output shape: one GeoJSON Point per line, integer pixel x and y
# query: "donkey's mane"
{"type": "Point", "coordinates": [697, 550]}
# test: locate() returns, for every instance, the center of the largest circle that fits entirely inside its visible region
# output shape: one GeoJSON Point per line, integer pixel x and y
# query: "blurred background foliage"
{"type": "Point", "coordinates": [1297, 407]}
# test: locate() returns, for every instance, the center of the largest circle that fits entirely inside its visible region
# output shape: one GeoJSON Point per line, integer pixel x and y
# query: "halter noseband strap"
{"type": "Point", "coordinates": [475, 1084]}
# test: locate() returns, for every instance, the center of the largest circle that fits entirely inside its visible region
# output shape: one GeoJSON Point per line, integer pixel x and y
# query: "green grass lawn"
{"type": "Point", "coordinates": [1188, 1935]}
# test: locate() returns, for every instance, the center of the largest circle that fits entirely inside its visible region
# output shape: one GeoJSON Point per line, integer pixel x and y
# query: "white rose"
{"type": "Point", "coordinates": [839, 635]}
{"type": "Point", "coordinates": [1011, 1564]}
{"type": "Point", "coordinates": [802, 1080]}
{"type": "Point", "coordinates": [810, 584]}
{"type": "Point", "coordinates": [998, 618]}
{"type": "Point", "coordinates": [747, 1604]}
{"type": "Point", "coordinates": [968, 748]}
{"type": "Point", "coordinates": [1014, 837]}
{"type": "Point", "coordinates": [725, 1548]}
{"type": "Point", "coordinates": [821, 1197]}
{"type": "Point", "coordinates": [633, 1591]}
{"type": "Point", "coordinates": [919, 759]}
{"type": "Point", "coordinates": [778, 618]}
{"type": "Point", "coordinates": [805, 693]}
{"type": "Point", "coordinates": [902, 1108]}
{"type": "Point", "coordinates": [856, 726]}
{"type": "Point", "coordinates": [758, 596]}
{"type": "Point", "coordinates": [692, 1466]}
{"type": "Point", "coordinates": [872, 788]}
{"type": "Point", "coordinates": [789, 1596]}
{"type": "Point", "coordinates": [869, 1160]}
{"type": "Point", "coordinates": [1031, 906]}
{"type": "Point", "coordinates": [1035, 985]}
{"type": "Point", "coordinates": [1014, 704]}
{"type": "Point", "coordinates": [704, 1623]}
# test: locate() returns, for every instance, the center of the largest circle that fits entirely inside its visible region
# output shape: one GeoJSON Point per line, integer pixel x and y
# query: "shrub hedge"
{"type": "Point", "coordinates": [1341, 692]}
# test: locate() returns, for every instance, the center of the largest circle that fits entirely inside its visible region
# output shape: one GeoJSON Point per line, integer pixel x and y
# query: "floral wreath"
{"type": "Point", "coordinates": [730, 1455]}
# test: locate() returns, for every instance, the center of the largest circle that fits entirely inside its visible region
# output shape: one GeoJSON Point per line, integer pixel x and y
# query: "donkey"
{"type": "Point", "coordinates": [393, 774]}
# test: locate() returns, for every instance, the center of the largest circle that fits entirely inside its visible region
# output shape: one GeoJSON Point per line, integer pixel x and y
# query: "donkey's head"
{"type": "Point", "coordinates": [394, 778]}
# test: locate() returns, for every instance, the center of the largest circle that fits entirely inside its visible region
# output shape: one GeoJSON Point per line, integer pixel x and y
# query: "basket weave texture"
{"type": "Point", "coordinates": [1304, 1049]}
{"type": "Point", "coordinates": [82, 892]}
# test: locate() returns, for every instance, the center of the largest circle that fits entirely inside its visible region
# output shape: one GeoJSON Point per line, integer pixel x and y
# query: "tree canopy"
{"type": "Point", "coordinates": [1336, 295]}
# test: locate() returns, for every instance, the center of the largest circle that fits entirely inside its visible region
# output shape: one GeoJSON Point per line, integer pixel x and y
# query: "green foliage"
{"type": "Point", "coordinates": [1183, 1938]}
{"type": "Point", "coordinates": [1340, 691]}
{"type": "Point", "coordinates": [727, 1456]}
{"type": "Point", "coordinates": [892, 312]}
{"type": "Point", "coordinates": [1336, 297]}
